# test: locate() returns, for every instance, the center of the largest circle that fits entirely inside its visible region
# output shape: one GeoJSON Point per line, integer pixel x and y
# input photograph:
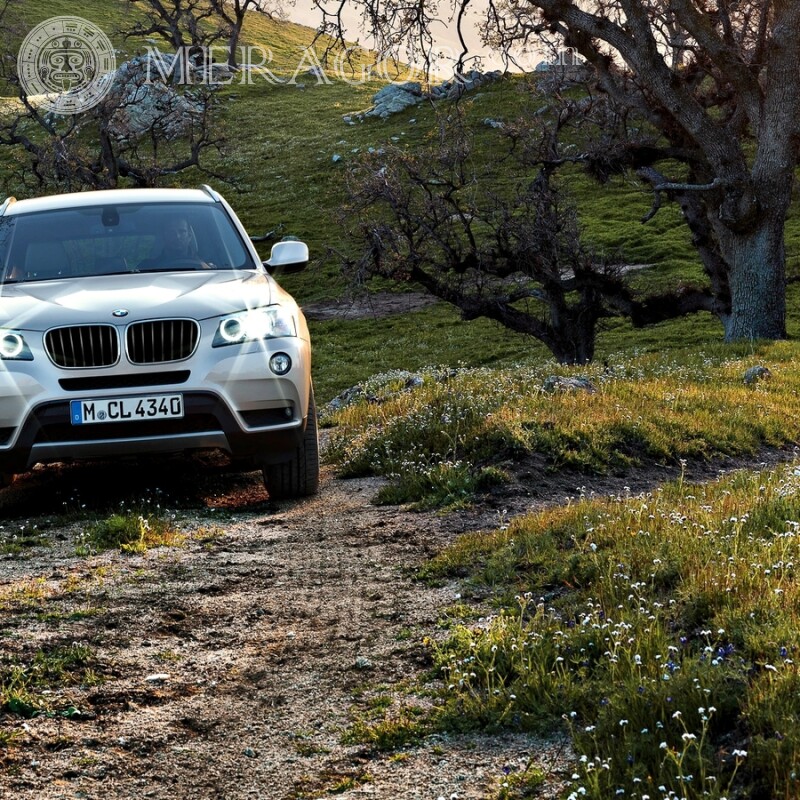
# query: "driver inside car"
{"type": "Point", "coordinates": [178, 247]}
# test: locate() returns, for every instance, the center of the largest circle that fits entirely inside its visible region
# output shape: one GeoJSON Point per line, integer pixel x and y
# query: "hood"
{"type": "Point", "coordinates": [72, 301]}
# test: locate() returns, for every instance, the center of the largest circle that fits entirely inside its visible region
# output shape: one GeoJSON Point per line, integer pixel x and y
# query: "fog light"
{"type": "Point", "coordinates": [280, 363]}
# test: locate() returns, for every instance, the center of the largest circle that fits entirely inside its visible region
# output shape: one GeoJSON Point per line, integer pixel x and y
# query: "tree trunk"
{"type": "Point", "coordinates": [757, 262]}
{"type": "Point", "coordinates": [233, 44]}
{"type": "Point", "coordinates": [574, 327]}
{"type": "Point", "coordinates": [573, 351]}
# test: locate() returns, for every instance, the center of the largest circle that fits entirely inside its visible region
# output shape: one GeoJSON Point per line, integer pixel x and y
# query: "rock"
{"type": "Point", "coordinates": [394, 98]}
{"type": "Point", "coordinates": [464, 83]}
{"type": "Point", "coordinates": [493, 123]}
{"type": "Point", "coordinates": [158, 677]}
{"type": "Point", "coordinates": [395, 105]}
{"type": "Point", "coordinates": [213, 74]}
{"type": "Point", "coordinates": [249, 752]}
{"type": "Point", "coordinates": [336, 158]}
{"type": "Point", "coordinates": [390, 90]}
{"type": "Point", "coordinates": [755, 374]}
{"type": "Point", "coordinates": [348, 397]}
{"type": "Point", "coordinates": [558, 383]}
{"type": "Point", "coordinates": [145, 104]}
{"type": "Point", "coordinates": [411, 381]}
{"type": "Point", "coordinates": [362, 662]}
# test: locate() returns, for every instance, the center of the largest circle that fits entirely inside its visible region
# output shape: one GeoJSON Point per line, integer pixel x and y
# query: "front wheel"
{"type": "Point", "coordinates": [298, 477]}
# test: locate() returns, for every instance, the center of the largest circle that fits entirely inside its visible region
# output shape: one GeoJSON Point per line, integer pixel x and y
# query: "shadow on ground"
{"type": "Point", "coordinates": [195, 482]}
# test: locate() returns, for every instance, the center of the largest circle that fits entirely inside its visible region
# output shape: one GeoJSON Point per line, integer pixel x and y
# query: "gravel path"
{"type": "Point", "coordinates": [233, 664]}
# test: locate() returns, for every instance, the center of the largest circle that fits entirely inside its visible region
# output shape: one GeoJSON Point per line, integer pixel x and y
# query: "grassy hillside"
{"type": "Point", "coordinates": [660, 631]}
{"type": "Point", "coordinates": [280, 144]}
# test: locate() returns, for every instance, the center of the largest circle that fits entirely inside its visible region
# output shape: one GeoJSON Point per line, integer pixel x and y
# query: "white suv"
{"type": "Point", "coordinates": [142, 321]}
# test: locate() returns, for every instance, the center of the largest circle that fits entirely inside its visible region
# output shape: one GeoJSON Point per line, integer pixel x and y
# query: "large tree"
{"type": "Point", "coordinates": [141, 132]}
{"type": "Point", "coordinates": [234, 12]}
{"type": "Point", "coordinates": [181, 24]}
{"type": "Point", "coordinates": [197, 24]}
{"type": "Point", "coordinates": [511, 253]}
{"type": "Point", "coordinates": [718, 81]}
{"type": "Point", "coordinates": [97, 150]}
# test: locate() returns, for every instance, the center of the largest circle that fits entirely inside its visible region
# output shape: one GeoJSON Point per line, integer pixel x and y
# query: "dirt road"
{"type": "Point", "coordinates": [232, 665]}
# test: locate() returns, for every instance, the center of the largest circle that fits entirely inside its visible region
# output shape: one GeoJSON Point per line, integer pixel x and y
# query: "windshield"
{"type": "Point", "coordinates": [108, 239]}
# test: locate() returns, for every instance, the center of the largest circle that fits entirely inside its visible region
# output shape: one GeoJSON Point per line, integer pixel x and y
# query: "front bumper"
{"type": "Point", "coordinates": [232, 402]}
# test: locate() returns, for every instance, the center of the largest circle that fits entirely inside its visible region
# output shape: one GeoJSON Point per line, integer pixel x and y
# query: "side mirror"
{"type": "Point", "coordinates": [291, 256]}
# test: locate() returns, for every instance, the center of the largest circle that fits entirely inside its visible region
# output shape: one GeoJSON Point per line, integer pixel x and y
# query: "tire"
{"type": "Point", "coordinates": [300, 476]}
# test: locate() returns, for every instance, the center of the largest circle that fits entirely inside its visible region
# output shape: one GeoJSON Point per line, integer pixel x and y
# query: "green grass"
{"type": "Point", "coordinates": [36, 687]}
{"type": "Point", "coordinates": [437, 336]}
{"type": "Point", "coordinates": [110, 17]}
{"type": "Point", "coordinates": [437, 438]}
{"type": "Point", "coordinates": [129, 532]}
{"type": "Point", "coordinates": [399, 728]}
{"type": "Point", "coordinates": [661, 630]}
{"type": "Point", "coordinates": [18, 540]}
{"type": "Point", "coordinates": [667, 392]}
{"type": "Point", "coordinates": [519, 785]}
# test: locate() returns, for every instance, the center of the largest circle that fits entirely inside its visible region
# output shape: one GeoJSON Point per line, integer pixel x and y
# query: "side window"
{"type": "Point", "coordinates": [9, 260]}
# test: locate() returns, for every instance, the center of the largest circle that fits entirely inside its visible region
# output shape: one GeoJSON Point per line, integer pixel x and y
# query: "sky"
{"type": "Point", "coordinates": [445, 35]}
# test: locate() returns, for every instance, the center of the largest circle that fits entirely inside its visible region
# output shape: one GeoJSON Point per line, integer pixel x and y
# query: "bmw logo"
{"type": "Point", "coordinates": [120, 312]}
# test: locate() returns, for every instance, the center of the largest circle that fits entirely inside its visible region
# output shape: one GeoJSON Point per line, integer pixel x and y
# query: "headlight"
{"type": "Point", "coordinates": [249, 326]}
{"type": "Point", "coordinates": [13, 346]}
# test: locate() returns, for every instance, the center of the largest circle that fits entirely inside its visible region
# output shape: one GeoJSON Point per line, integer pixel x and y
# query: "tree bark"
{"type": "Point", "coordinates": [743, 136]}
{"type": "Point", "coordinates": [757, 279]}
{"type": "Point", "coordinates": [233, 44]}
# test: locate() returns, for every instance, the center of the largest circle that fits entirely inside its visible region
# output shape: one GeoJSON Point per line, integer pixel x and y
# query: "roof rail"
{"type": "Point", "coordinates": [211, 193]}
{"type": "Point", "coordinates": [6, 203]}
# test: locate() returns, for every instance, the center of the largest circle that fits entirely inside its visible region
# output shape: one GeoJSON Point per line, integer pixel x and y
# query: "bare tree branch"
{"type": "Point", "coordinates": [661, 185]}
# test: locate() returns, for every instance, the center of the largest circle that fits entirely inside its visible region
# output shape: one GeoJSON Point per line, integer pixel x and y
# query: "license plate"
{"type": "Point", "coordinates": [126, 409]}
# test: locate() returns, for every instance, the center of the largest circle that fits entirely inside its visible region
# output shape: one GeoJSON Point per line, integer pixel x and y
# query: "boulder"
{"type": "Point", "coordinates": [559, 383]}
{"type": "Point", "coordinates": [755, 374]}
{"type": "Point", "coordinates": [349, 396]}
{"type": "Point", "coordinates": [145, 104]}
{"type": "Point", "coordinates": [396, 97]}
{"type": "Point", "coordinates": [393, 98]}
{"type": "Point", "coordinates": [214, 74]}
